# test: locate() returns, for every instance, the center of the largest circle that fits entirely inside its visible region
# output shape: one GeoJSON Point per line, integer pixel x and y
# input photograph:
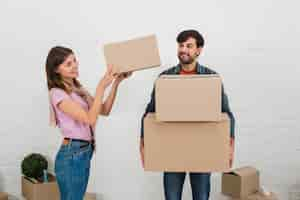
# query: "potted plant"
{"type": "Point", "coordinates": [37, 184]}
{"type": "Point", "coordinates": [34, 166]}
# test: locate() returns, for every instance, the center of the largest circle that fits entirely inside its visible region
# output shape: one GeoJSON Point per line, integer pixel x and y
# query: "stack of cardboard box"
{"type": "Point", "coordinates": [188, 132]}
{"type": "Point", "coordinates": [243, 184]}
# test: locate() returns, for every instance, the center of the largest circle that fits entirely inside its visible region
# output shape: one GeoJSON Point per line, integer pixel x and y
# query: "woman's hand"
{"type": "Point", "coordinates": [108, 78]}
{"type": "Point", "coordinates": [122, 76]}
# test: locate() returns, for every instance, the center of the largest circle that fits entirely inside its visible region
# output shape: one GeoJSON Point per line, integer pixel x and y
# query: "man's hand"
{"type": "Point", "coordinates": [142, 151]}
{"type": "Point", "coordinates": [231, 152]}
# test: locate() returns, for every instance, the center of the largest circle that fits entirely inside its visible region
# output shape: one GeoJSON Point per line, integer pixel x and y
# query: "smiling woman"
{"type": "Point", "coordinates": [75, 112]}
{"type": "Point", "coordinates": [69, 68]}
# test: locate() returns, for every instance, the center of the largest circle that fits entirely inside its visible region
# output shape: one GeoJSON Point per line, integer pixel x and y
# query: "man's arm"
{"type": "Point", "coordinates": [150, 108]}
{"type": "Point", "coordinates": [226, 108]}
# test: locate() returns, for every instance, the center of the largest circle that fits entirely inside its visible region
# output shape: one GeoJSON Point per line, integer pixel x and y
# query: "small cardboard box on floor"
{"type": "Point", "coordinates": [3, 196]}
{"type": "Point", "coordinates": [189, 98]}
{"type": "Point", "coordinates": [40, 191]}
{"type": "Point", "coordinates": [259, 196]}
{"type": "Point", "coordinates": [240, 182]}
{"type": "Point", "coordinates": [90, 196]}
{"type": "Point", "coordinates": [132, 55]}
{"type": "Point", "coordinates": [186, 146]}
{"type": "Point", "coordinates": [243, 184]}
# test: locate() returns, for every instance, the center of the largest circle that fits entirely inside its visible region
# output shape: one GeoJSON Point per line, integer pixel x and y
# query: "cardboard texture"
{"type": "Point", "coordinates": [90, 196]}
{"type": "Point", "coordinates": [3, 196]}
{"type": "Point", "coordinates": [262, 196]}
{"type": "Point", "coordinates": [259, 196]}
{"type": "Point", "coordinates": [186, 146]}
{"type": "Point", "coordinates": [132, 55]}
{"type": "Point", "coordinates": [44, 191]}
{"type": "Point", "coordinates": [241, 182]}
{"type": "Point", "coordinates": [188, 98]}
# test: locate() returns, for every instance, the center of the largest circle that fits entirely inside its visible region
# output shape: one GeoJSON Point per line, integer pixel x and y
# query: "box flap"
{"type": "Point", "coordinates": [244, 171]}
{"type": "Point", "coordinates": [231, 185]}
{"type": "Point", "coordinates": [190, 76]}
{"type": "Point", "coordinates": [224, 117]}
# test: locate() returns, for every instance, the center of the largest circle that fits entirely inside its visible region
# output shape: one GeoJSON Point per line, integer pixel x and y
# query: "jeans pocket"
{"type": "Point", "coordinates": [60, 165]}
{"type": "Point", "coordinates": [82, 151]}
{"type": "Point", "coordinates": [62, 160]}
{"type": "Point", "coordinates": [83, 156]}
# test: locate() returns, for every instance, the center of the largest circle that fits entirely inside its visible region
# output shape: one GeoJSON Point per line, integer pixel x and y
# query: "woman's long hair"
{"type": "Point", "coordinates": [56, 56]}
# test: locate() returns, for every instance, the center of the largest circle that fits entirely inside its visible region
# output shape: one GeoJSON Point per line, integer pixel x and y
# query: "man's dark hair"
{"type": "Point", "coordinates": [185, 35]}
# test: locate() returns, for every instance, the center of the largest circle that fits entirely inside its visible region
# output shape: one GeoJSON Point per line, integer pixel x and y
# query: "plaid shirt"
{"type": "Point", "coordinates": [200, 70]}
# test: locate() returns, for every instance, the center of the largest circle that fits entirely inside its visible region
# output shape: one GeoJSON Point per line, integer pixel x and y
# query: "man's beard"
{"type": "Point", "coordinates": [187, 61]}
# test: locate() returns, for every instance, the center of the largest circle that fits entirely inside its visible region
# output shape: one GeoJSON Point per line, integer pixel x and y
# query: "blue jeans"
{"type": "Point", "coordinates": [72, 169]}
{"type": "Point", "coordinates": [173, 185]}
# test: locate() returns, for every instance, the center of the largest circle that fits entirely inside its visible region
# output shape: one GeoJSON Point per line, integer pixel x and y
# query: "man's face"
{"type": "Point", "coordinates": [188, 51]}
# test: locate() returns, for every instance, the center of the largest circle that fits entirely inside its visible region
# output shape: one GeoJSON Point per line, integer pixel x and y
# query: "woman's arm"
{"type": "Point", "coordinates": [90, 117]}
{"type": "Point", "coordinates": [107, 105]}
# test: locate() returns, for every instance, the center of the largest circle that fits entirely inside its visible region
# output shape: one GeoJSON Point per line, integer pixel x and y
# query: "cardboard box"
{"type": "Point", "coordinates": [3, 196]}
{"type": "Point", "coordinates": [188, 98]}
{"type": "Point", "coordinates": [259, 196]}
{"type": "Point", "coordinates": [186, 146]}
{"type": "Point", "coordinates": [241, 182]}
{"type": "Point", "coordinates": [38, 191]}
{"type": "Point", "coordinates": [90, 196]}
{"type": "Point", "coordinates": [262, 196]}
{"type": "Point", "coordinates": [132, 55]}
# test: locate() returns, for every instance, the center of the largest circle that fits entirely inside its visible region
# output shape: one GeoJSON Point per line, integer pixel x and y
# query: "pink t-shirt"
{"type": "Point", "coordinates": [70, 127]}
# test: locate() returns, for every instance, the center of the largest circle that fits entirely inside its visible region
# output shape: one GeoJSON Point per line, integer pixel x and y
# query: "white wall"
{"type": "Point", "coordinates": [252, 44]}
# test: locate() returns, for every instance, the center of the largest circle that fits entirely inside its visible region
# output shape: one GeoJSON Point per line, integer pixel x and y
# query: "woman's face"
{"type": "Point", "coordinates": [69, 68]}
